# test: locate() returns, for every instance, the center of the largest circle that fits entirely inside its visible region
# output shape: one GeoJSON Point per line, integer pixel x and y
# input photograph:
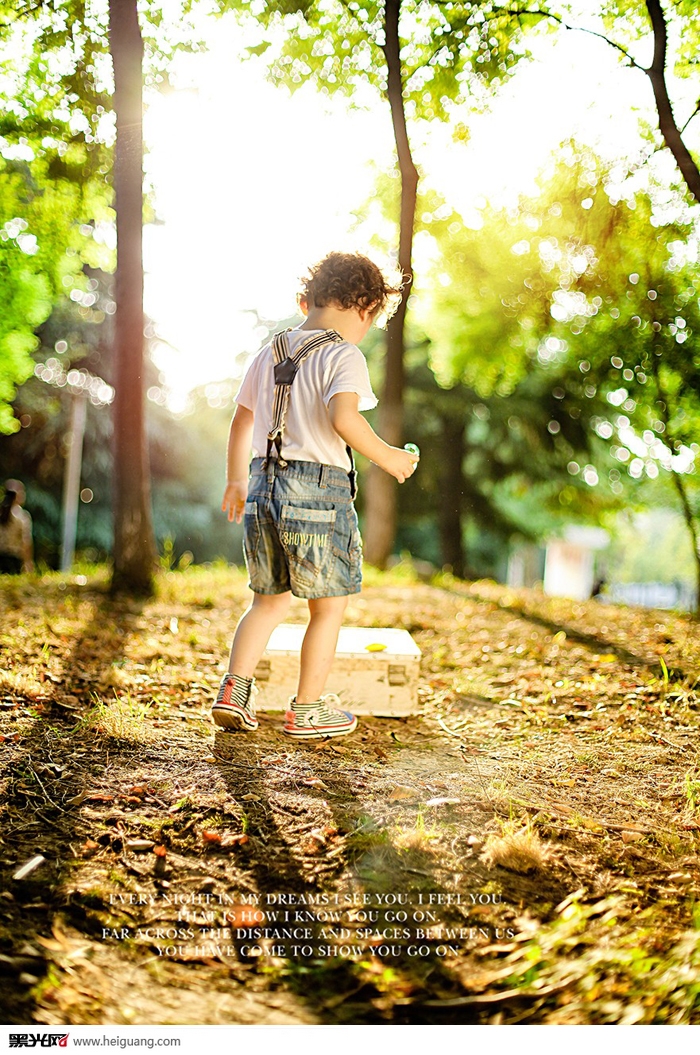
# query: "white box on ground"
{"type": "Point", "coordinates": [375, 670]}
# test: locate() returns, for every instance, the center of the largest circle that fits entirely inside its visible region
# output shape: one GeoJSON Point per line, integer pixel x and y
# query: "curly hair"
{"type": "Point", "coordinates": [352, 281]}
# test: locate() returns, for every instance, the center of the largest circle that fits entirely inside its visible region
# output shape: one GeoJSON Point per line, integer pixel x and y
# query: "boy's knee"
{"type": "Point", "coordinates": [278, 603]}
{"type": "Point", "coordinates": [329, 606]}
{"type": "Point", "coordinates": [283, 600]}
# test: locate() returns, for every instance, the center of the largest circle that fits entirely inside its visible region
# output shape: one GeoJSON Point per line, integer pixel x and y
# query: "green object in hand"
{"type": "Point", "coordinates": [412, 449]}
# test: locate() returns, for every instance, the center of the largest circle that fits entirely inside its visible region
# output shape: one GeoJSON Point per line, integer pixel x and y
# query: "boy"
{"type": "Point", "coordinates": [301, 534]}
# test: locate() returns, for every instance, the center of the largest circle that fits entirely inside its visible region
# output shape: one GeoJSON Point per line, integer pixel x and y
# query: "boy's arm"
{"type": "Point", "coordinates": [359, 434]}
{"type": "Point", "coordinates": [240, 440]}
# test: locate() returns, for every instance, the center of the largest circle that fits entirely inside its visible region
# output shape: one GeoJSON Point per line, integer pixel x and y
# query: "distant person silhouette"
{"type": "Point", "coordinates": [16, 549]}
{"type": "Point", "coordinates": [599, 586]}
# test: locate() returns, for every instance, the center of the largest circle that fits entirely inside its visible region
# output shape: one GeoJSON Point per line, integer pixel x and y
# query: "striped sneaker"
{"type": "Point", "coordinates": [235, 704]}
{"type": "Point", "coordinates": [315, 721]}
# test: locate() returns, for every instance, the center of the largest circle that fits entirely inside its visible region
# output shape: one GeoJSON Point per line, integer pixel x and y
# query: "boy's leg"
{"type": "Point", "coordinates": [254, 629]}
{"type": "Point", "coordinates": [310, 716]}
{"type": "Point", "coordinates": [235, 707]}
{"type": "Point", "coordinates": [318, 646]}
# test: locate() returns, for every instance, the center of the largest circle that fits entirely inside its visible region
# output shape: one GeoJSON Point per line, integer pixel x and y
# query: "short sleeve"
{"type": "Point", "coordinates": [350, 374]}
{"type": "Point", "coordinates": [245, 397]}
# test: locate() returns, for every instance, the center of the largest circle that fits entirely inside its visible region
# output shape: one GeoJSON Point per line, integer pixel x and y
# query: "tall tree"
{"type": "Point", "coordinates": [380, 497]}
{"type": "Point", "coordinates": [134, 546]}
{"type": "Point", "coordinates": [420, 55]}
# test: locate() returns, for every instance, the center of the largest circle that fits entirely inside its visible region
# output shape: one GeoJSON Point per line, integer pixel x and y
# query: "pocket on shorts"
{"type": "Point", "coordinates": [306, 535]}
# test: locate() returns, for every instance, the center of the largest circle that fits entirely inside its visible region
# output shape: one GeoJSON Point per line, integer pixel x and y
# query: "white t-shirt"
{"type": "Point", "coordinates": [308, 433]}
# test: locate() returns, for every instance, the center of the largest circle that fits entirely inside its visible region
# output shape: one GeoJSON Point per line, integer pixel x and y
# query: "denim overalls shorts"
{"type": "Point", "coordinates": [301, 531]}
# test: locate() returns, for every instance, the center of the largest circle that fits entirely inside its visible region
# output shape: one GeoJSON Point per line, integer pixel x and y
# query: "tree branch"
{"type": "Point", "coordinates": [538, 13]}
{"type": "Point", "coordinates": [695, 112]}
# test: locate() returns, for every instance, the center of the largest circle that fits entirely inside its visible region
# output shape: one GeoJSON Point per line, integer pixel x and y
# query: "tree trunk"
{"type": "Point", "coordinates": [678, 481]}
{"type": "Point", "coordinates": [380, 488]}
{"type": "Point", "coordinates": [682, 490]}
{"type": "Point", "coordinates": [667, 122]}
{"type": "Point", "coordinates": [134, 549]}
{"type": "Point", "coordinates": [452, 494]}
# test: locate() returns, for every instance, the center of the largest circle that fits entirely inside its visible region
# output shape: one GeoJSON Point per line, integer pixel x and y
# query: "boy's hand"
{"type": "Point", "coordinates": [400, 463]}
{"type": "Point", "coordinates": [234, 499]}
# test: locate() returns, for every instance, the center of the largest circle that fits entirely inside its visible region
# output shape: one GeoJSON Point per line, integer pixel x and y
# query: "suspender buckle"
{"type": "Point", "coordinates": [285, 372]}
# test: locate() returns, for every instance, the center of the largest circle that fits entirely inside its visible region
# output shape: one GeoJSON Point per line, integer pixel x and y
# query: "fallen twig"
{"type": "Point", "coordinates": [545, 808]}
{"type": "Point", "coordinates": [500, 998]}
{"type": "Point", "coordinates": [450, 732]}
{"type": "Point", "coordinates": [663, 740]}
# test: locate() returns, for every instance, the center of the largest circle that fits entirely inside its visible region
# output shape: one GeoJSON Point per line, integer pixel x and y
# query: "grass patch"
{"type": "Point", "coordinates": [122, 718]}
{"type": "Point", "coordinates": [420, 837]}
{"type": "Point", "coordinates": [517, 850]}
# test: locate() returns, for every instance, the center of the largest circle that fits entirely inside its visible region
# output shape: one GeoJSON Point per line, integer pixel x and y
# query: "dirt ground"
{"type": "Point", "coordinates": [524, 849]}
